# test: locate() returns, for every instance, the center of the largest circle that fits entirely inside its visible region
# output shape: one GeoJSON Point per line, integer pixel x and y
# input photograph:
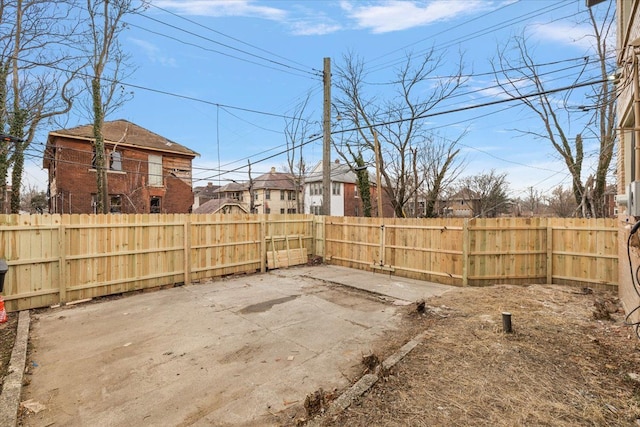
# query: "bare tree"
{"type": "Point", "coordinates": [562, 203]}
{"type": "Point", "coordinates": [107, 64]}
{"type": "Point", "coordinates": [486, 193]}
{"type": "Point", "coordinates": [557, 115]}
{"type": "Point", "coordinates": [34, 40]}
{"type": "Point", "coordinates": [33, 201]}
{"type": "Point", "coordinates": [398, 121]}
{"type": "Point", "coordinates": [296, 132]}
{"type": "Point", "coordinates": [440, 166]}
{"type": "Point", "coordinates": [532, 203]}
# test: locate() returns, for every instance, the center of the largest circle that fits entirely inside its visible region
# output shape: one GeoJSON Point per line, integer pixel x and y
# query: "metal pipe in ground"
{"type": "Point", "coordinates": [506, 322]}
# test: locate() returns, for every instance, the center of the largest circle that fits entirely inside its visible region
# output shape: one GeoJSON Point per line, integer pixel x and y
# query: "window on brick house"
{"type": "Point", "coordinates": [155, 171]}
{"type": "Point", "coordinates": [155, 205]}
{"type": "Point", "coordinates": [115, 161]}
{"type": "Point", "coordinates": [115, 203]}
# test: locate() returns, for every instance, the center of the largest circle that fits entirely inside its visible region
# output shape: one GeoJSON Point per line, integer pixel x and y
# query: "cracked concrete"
{"type": "Point", "coordinates": [228, 352]}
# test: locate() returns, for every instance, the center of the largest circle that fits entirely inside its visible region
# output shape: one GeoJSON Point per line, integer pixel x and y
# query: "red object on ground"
{"type": "Point", "coordinates": [3, 312]}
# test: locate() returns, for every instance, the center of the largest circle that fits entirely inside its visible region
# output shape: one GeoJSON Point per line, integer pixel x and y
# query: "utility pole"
{"type": "Point", "coordinates": [326, 140]}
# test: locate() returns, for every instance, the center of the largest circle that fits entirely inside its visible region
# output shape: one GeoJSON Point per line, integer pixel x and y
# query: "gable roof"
{"type": "Point", "coordinates": [232, 187]}
{"type": "Point", "coordinates": [275, 180]}
{"type": "Point", "coordinates": [215, 205]}
{"type": "Point", "coordinates": [206, 191]}
{"type": "Point", "coordinates": [340, 172]}
{"type": "Point", "coordinates": [123, 132]}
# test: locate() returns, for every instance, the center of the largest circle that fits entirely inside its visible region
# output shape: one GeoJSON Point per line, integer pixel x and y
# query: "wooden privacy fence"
{"type": "Point", "coordinates": [61, 258]}
{"type": "Point", "coordinates": [479, 252]}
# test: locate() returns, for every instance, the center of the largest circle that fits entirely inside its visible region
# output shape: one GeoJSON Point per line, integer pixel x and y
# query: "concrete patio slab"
{"type": "Point", "coordinates": [227, 352]}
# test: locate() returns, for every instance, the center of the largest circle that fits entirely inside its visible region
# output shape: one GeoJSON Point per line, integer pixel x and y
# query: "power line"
{"type": "Point", "coordinates": [428, 115]}
{"type": "Point", "coordinates": [432, 36]}
{"type": "Point", "coordinates": [209, 49]}
{"type": "Point", "coordinates": [161, 92]}
{"type": "Point", "coordinates": [482, 32]}
{"type": "Point", "coordinates": [226, 35]}
{"type": "Point", "coordinates": [315, 74]}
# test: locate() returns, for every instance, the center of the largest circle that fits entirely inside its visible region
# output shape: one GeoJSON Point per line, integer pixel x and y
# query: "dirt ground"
{"type": "Point", "coordinates": [7, 338]}
{"type": "Point", "coordinates": [569, 361]}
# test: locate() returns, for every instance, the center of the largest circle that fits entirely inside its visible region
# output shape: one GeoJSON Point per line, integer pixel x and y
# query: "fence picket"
{"type": "Point", "coordinates": [60, 258]}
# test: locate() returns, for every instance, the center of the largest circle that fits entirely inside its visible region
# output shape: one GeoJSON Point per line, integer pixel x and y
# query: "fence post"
{"type": "Point", "coordinates": [313, 236]}
{"type": "Point", "coordinates": [549, 252]}
{"type": "Point", "coordinates": [325, 251]}
{"type": "Point", "coordinates": [465, 252]}
{"type": "Point", "coordinates": [62, 268]}
{"type": "Point", "coordinates": [187, 249]}
{"type": "Point", "coordinates": [263, 245]}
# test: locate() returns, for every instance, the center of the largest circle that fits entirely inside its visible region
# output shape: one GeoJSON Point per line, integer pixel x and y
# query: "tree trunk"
{"type": "Point", "coordinates": [102, 198]}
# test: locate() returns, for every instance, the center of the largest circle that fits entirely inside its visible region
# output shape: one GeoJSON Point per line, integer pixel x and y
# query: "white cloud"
{"type": "Point", "coordinates": [220, 8]}
{"type": "Point", "coordinates": [154, 53]}
{"type": "Point", "coordinates": [310, 28]}
{"type": "Point", "coordinates": [567, 34]}
{"type": "Point", "coordinates": [395, 15]}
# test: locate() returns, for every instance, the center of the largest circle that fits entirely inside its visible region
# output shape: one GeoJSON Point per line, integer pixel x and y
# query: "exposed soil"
{"type": "Point", "coordinates": [7, 338]}
{"type": "Point", "coordinates": [569, 361]}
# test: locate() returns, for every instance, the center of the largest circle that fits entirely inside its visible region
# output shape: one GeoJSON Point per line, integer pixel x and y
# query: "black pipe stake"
{"type": "Point", "coordinates": [506, 322]}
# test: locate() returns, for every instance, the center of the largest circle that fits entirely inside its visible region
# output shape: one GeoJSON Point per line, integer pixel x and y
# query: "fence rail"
{"type": "Point", "coordinates": [60, 258]}
{"type": "Point", "coordinates": [480, 252]}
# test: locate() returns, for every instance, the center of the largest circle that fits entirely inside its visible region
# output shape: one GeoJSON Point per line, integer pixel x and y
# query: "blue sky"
{"type": "Point", "coordinates": [219, 76]}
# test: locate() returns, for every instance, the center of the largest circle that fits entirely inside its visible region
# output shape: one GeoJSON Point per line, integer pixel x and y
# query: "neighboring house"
{"type": "Point", "coordinates": [233, 192]}
{"type": "Point", "coordinates": [459, 207]}
{"type": "Point", "coordinates": [221, 206]}
{"type": "Point", "coordinates": [628, 167]}
{"type": "Point", "coordinates": [274, 192]}
{"type": "Point", "coordinates": [345, 197]}
{"type": "Point", "coordinates": [467, 204]}
{"type": "Point", "coordinates": [147, 173]}
{"type": "Point", "coordinates": [202, 195]}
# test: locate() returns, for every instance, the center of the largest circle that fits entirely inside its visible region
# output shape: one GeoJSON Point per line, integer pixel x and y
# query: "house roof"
{"type": "Point", "coordinates": [213, 206]}
{"type": "Point", "coordinates": [340, 172]}
{"type": "Point", "coordinates": [206, 191]}
{"type": "Point", "coordinates": [275, 180]}
{"type": "Point", "coordinates": [123, 132]}
{"type": "Point", "coordinates": [232, 187]}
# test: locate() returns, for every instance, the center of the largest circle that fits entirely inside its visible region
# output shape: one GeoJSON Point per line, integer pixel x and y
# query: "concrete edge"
{"type": "Point", "coordinates": [365, 383]}
{"type": "Point", "coordinates": [12, 388]}
{"type": "Point", "coordinates": [381, 295]}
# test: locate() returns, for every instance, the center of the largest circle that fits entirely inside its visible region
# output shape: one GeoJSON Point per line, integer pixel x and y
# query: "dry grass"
{"type": "Point", "coordinates": [561, 366]}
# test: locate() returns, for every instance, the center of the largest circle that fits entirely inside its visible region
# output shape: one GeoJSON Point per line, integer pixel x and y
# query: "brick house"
{"type": "Point", "coordinates": [147, 173]}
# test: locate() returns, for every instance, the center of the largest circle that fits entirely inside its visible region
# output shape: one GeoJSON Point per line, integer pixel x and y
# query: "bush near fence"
{"type": "Point", "coordinates": [60, 258]}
